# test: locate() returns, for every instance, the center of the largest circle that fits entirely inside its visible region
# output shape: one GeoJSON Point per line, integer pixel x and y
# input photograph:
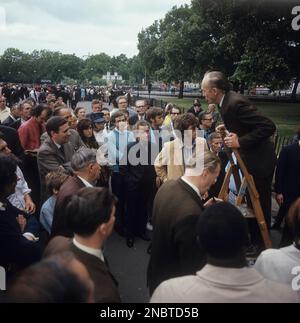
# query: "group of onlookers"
{"type": "Point", "coordinates": [69, 177]}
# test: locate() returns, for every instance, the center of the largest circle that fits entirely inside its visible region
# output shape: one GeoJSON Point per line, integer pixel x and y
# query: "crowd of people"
{"type": "Point", "coordinates": [69, 178]}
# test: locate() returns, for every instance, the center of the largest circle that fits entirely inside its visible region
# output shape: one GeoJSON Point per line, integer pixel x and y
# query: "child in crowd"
{"type": "Point", "coordinates": [54, 181]}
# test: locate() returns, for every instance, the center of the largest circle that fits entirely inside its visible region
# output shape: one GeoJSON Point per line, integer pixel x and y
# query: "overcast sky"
{"type": "Point", "coordinates": [78, 26]}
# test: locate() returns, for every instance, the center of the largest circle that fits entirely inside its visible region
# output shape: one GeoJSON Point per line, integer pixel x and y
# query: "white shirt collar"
{"type": "Point", "coordinates": [2, 207]}
{"type": "Point", "coordinates": [222, 101]}
{"type": "Point", "coordinates": [195, 188]}
{"type": "Point", "coordinates": [85, 182]}
{"type": "Point", "coordinates": [14, 119]}
{"type": "Point", "coordinates": [91, 251]}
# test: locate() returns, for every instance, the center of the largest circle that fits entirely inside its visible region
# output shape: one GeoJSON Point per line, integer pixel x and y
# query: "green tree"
{"type": "Point", "coordinates": [148, 41]}
{"type": "Point", "coordinates": [95, 65]}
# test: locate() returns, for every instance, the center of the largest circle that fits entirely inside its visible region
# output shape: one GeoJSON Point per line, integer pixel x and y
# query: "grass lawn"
{"type": "Point", "coordinates": [285, 115]}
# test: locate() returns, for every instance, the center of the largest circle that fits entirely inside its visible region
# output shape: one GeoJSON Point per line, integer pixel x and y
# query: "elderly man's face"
{"type": "Point", "coordinates": [209, 93]}
{"type": "Point", "coordinates": [26, 111]}
{"type": "Point", "coordinates": [141, 107]}
{"type": "Point", "coordinates": [216, 145]}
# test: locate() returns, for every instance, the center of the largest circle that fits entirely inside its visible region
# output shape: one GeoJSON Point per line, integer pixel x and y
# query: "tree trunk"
{"type": "Point", "coordinates": [180, 96]}
{"type": "Point", "coordinates": [236, 86]}
{"type": "Point", "coordinates": [242, 89]}
{"type": "Point", "coordinates": [294, 94]}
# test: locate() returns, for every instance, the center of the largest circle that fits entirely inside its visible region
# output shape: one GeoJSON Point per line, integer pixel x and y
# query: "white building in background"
{"type": "Point", "coordinates": [109, 78]}
{"type": "Point", "coordinates": [191, 85]}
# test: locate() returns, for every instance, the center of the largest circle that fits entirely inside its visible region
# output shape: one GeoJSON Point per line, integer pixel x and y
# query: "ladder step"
{"type": "Point", "coordinates": [247, 212]}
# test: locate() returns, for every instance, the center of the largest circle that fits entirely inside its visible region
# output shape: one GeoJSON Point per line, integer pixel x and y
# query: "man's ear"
{"type": "Point", "coordinates": [102, 229]}
{"type": "Point", "coordinates": [205, 173]}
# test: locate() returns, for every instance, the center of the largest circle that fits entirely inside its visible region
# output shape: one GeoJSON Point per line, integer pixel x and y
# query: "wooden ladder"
{"type": "Point", "coordinates": [247, 182]}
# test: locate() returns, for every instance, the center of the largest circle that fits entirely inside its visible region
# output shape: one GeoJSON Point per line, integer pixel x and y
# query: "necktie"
{"type": "Point", "coordinates": [62, 150]}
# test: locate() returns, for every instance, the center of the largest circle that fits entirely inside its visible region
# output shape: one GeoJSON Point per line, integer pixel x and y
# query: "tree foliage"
{"type": "Point", "coordinates": [17, 66]}
{"type": "Point", "coordinates": [250, 41]}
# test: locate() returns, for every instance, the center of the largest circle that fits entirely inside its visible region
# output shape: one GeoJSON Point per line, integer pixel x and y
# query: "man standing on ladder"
{"type": "Point", "coordinates": [250, 133]}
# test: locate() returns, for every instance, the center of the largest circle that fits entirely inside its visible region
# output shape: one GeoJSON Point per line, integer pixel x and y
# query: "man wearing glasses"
{"type": "Point", "coordinates": [123, 106]}
{"type": "Point", "coordinates": [141, 108]}
{"type": "Point", "coordinates": [206, 122]}
{"type": "Point", "coordinates": [196, 109]}
{"type": "Point", "coordinates": [175, 112]}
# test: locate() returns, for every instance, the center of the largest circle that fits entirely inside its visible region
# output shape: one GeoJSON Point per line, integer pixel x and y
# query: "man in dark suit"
{"type": "Point", "coordinates": [13, 142]}
{"type": "Point", "coordinates": [18, 234]}
{"type": "Point", "coordinates": [87, 172]}
{"type": "Point", "coordinates": [56, 152]}
{"type": "Point", "coordinates": [196, 109]}
{"type": "Point", "coordinates": [91, 216]}
{"type": "Point", "coordinates": [177, 207]}
{"type": "Point", "coordinates": [141, 108]}
{"type": "Point", "coordinates": [13, 117]}
{"type": "Point", "coordinates": [140, 181]}
{"type": "Point", "coordinates": [287, 183]}
{"type": "Point", "coordinates": [250, 132]}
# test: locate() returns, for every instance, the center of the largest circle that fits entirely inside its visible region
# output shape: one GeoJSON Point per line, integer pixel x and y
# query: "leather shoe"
{"type": "Point", "coordinates": [130, 242]}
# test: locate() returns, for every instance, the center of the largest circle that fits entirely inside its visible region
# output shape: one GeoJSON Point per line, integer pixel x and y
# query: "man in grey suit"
{"type": "Point", "coordinates": [56, 152]}
{"type": "Point", "coordinates": [65, 113]}
{"type": "Point", "coordinates": [177, 207]}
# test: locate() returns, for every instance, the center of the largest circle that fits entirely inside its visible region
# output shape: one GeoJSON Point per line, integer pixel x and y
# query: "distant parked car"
{"type": "Point", "coordinates": [260, 91]}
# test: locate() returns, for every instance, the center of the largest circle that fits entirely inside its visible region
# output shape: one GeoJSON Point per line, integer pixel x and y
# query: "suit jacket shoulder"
{"type": "Point", "coordinates": [105, 285]}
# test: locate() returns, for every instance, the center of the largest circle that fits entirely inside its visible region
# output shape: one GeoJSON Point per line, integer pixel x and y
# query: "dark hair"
{"type": "Point", "coordinates": [85, 124]}
{"type": "Point", "coordinates": [177, 108]}
{"type": "Point", "coordinates": [8, 167]}
{"type": "Point", "coordinates": [2, 136]}
{"type": "Point", "coordinates": [197, 102]}
{"type": "Point", "coordinates": [37, 111]}
{"type": "Point", "coordinates": [152, 113]}
{"type": "Point", "coordinates": [52, 280]}
{"type": "Point", "coordinates": [54, 124]}
{"type": "Point", "coordinates": [94, 102]}
{"type": "Point", "coordinates": [222, 231]}
{"type": "Point", "coordinates": [116, 115]}
{"type": "Point", "coordinates": [183, 122]}
{"type": "Point", "coordinates": [88, 209]}
{"type": "Point", "coordinates": [56, 112]}
{"type": "Point", "coordinates": [77, 110]}
{"type": "Point", "coordinates": [218, 80]}
{"type": "Point", "coordinates": [293, 219]}
{"type": "Point", "coordinates": [142, 123]}
{"type": "Point", "coordinates": [202, 115]}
